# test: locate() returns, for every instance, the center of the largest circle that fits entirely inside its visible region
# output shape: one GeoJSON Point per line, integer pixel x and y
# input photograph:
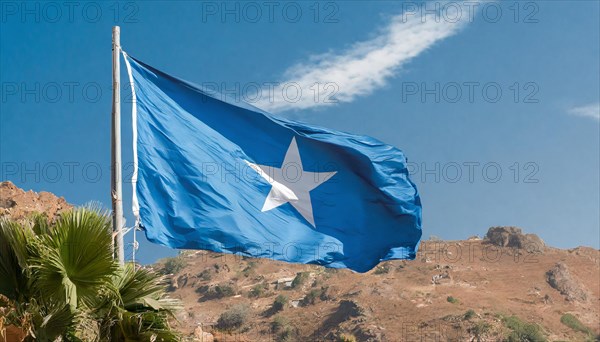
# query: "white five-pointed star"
{"type": "Point", "coordinates": [290, 183]}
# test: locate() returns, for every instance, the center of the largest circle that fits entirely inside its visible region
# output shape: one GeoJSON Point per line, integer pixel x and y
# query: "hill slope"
{"type": "Point", "coordinates": [455, 290]}
{"type": "Point", "coordinates": [506, 286]}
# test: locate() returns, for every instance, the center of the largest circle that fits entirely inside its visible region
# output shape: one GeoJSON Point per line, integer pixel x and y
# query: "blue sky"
{"type": "Point", "coordinates": [427, 84]}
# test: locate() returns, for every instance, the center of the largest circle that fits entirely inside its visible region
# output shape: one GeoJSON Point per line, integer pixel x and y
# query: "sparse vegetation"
{"type": "Point", "coordinates": [221, 291]}
{"type": "Point", "coordinates": [173, 265]}
{"type": "Point", "coordinates": [279, 323]}
{"type": "Point", "coordinates": [329, 271]}
{"type": "Point", "coordinates": [258, 290]}
{"type": "Point", "coordinates": [324, 293]}
{"type": "Point", "coordinates": [382, 269]}
{"type": "Point", "coordinates": [575, 324]}
{"type": "Point", "coordinates": [300, 279]}
{"type": "Point", "coordinates": [469, 314]}
{"type": "Point", "coordinates": [205, 275]}
{"type": "Point", "coordinates": [279, 303]}
{"type": "Point", "coordinates": [346, 338]}
{"type": "Point", "coordinates": [202, 289]}
{"type": "Point", "coordinates": [310, 297]}
{"type": "Point", "coordinates": [480, 329]}
{"type": "Point", "coordinates": [283, 329]}
{"type": "Point", "coordinates": [249, 269]}
{"type": "Point", "coordinates": [314, 294]}
{"type": "Point", "coordinates": [234, 318]}
{"type": "Point", "coordinates": [289, 334]}
{"type": "Point", "coordinates": [523, 331]}
{"type": "Point", "coordinates": [216, 292]}
{"type": "Point", "coordinates": [452, 300]}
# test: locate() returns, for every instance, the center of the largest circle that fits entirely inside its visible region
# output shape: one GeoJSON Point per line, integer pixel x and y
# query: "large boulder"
{"type": "Point", "coordinates": [561, 279]}
{"type": "Point", "coordinates": [514, 237]}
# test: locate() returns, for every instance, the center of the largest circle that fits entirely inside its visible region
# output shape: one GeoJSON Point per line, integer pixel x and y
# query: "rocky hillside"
{"type": "Point", "coordinates": [18, 204]}
{"type": "Point", "coordinates": [507, 286]}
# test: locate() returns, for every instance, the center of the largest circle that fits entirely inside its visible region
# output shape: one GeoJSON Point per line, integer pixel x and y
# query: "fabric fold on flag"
{"type": "Point", "coordinates": [216, 174]}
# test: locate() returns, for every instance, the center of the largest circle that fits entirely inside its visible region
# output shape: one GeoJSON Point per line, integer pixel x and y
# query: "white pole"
{"type": "Point", "coordinates": [116, 188]}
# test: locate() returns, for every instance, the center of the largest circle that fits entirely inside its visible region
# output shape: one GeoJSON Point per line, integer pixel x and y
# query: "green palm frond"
{"type": "Point", "coordinates": [146, 309]}
{"type": "Point", "coordinates": [60, 282]}
{"type": "Point", "coordinates": [49, 320]}
{"type": "Point", "coordinates": [14, 258]}
{"type": "Point", "coordinates": [75, 259]}
{"type": "Point", "coordinates": [141, 289]}
{"type": "Point", "coordinates": [147, 326]}
{"type": "Point", "coordinates": [39, 224]}
{"type": "Point", "coordinates": [85, 327]}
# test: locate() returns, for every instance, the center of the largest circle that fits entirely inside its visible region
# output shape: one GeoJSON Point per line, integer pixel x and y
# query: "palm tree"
{"type": "Point", "coordinates": [59, 281]}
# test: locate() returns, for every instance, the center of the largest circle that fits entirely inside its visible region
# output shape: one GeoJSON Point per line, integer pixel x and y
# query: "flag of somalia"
{"type": "Point", "coordinates": [228, 177]}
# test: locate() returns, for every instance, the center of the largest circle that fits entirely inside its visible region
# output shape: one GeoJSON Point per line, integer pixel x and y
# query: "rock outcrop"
{"type": "Point", "coordinates": [514, 237]}
{"type": "Point", "coordinates": [561, 279]}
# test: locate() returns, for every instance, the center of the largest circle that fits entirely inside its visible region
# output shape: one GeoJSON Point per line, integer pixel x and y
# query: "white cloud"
{"type": "Point", "coordinates": [362, 68]}
{"type": "Point", "coordinates": [588, 111]}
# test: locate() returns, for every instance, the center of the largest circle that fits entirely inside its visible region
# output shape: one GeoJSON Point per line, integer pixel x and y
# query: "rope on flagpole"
{"type": "Point", "coordinates": [134, 246]}
{"type": "Point", "coordinates": [134, 200]}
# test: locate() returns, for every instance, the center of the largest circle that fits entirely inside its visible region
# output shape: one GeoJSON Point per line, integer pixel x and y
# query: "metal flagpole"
{"type": "Point", "coordinates": [116, 188]}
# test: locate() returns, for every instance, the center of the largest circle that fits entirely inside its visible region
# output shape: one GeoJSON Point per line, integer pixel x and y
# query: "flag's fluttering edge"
{"type": "Point", "coordinates": [223, 176]}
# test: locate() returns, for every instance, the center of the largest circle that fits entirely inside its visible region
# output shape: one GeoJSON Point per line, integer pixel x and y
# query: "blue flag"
{"type": "Point", "coordinates": [223, 176]}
